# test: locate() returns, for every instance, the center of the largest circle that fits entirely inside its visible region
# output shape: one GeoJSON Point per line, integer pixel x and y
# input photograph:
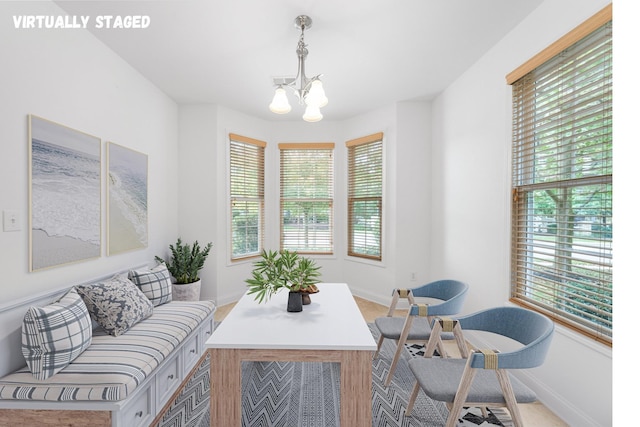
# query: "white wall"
{"type": "Point", "coordinates": [413, 188]}
{"type": "Point", "coordinates": [68, 77]}
{"type": "Point", "coordinates": [471, 205]}
{"type": "Point", "coordinates": [197, 163]}
{"type": "Point", "coordinates": [627, 176]}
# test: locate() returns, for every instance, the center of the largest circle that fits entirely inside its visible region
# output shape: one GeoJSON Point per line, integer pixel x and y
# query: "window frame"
{"type": "Point", "coordinates": [301, 149]}
{"type": "Point", "coordinates": [573, 302]}
{"type": "Point", "coordinates": [256, 165]}
{"type": "Point", "coordinates": [373, 193]}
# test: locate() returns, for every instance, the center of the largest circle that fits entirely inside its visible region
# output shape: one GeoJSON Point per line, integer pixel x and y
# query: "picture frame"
{"type": "Point", "coordinates": [127, 193]}
{"type": "Point", "coordinates": [65, 195]}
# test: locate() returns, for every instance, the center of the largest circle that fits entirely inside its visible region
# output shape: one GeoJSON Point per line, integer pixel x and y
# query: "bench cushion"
{"type": "Point", "coordinates": [112, 367]}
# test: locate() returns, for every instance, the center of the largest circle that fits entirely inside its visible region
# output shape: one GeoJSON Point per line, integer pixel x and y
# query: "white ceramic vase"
{"type": "Point", "coordinates": [186, 292]}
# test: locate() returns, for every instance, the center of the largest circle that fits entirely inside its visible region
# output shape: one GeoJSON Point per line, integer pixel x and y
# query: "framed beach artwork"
{"type": "Point", "coordinates": [126, 200]}
{"type": "Point", "coordinates": [64, 195]}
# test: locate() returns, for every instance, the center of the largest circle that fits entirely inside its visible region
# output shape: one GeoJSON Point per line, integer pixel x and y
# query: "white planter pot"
{"type": "Point", "coordinates": [186, 292]}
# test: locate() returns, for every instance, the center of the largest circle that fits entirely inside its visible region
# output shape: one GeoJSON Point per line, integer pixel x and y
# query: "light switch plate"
{"type": "Point", "coordinates": [11, 220]}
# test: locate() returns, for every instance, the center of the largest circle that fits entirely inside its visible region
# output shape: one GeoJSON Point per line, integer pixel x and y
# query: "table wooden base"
{"type": "Point", "coordinates": [226, 384]}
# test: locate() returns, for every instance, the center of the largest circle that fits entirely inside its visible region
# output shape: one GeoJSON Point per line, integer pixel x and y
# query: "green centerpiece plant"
{"type": "Point", "coordinates": [278, 270]}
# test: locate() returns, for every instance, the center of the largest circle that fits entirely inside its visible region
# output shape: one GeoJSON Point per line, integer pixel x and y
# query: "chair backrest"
{"type": "Point", "coordinates": [451, 292]}
{"type": "Point", "coordinates": [529, 328]}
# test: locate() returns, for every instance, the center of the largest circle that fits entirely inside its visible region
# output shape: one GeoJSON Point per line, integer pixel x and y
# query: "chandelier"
{"type": "Point", "coordinates": [308, 90]}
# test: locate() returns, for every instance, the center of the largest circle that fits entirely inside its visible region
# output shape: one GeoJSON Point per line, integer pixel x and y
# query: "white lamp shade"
{"type": "Point", "coordinates": [280, 103]}
{"type": "Point", "coordinates": [316, 95]}
{"type": "Point", "coordinates": [312, 114]}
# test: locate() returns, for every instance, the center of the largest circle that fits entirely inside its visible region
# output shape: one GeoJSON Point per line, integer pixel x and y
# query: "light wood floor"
{"type": "Point", "coordinates": [533, 414]}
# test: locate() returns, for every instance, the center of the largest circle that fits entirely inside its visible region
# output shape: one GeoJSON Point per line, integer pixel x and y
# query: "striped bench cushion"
{"type": "Point", "coordinates": [112, 367]}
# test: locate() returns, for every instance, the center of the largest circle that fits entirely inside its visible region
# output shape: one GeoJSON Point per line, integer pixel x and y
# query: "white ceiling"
{"type": "Point", "coordinates": [371, 53]}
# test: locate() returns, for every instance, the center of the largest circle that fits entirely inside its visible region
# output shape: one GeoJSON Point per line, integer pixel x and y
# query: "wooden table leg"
{"type": "Point", "coordinates": [226, 387]}
{"type": "Point", "coordinates": [355, 388]}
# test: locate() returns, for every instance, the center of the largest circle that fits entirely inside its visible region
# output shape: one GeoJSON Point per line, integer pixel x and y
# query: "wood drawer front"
{"type": "Point", "coordinates": [140, 411]}
{"type": "Point", "coordinates": [167, 380]}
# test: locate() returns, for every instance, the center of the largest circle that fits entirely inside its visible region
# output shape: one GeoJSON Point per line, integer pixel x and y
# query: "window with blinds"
{"type": "Point", "coordinates": [365, 197]}
{"type": "Point", "coordinates": [562, 185]}
{"type": "Point", "coordinates": [246, 180]}
{"type": "Point", "coordinates": [306, 197]}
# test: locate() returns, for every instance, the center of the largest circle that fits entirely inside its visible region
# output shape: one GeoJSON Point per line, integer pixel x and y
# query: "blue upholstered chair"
{"type": "Point", "coordinates": [481, 377]}
{"type": "Point", "coordinates": [446, 298]}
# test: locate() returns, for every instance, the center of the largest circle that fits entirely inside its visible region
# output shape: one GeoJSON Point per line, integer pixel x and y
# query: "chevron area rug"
{"type": "Point", "coordinates": [288, 394]}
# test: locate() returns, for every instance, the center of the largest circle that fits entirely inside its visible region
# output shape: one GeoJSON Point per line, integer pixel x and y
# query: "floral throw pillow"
{"type": "Point", "coordinates": [154, 283]}
{"type": "Point", "coordinates": [54, 335]}
{"type": "Point", "coordinates": [116, 304]}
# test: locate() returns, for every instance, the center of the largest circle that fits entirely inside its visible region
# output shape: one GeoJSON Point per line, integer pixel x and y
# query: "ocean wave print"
{"type": "Point", "coordinates": [127, 199]}
{"type": "Point", "coordinates": [65, 185]}
{"type": "Point", "coordinates": [128, 194]}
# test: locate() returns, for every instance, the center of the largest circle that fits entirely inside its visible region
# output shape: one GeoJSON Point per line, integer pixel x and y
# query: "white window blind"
{"type": "Point", "coordinates": [365, 197]}
{"type": "Point", "coordinates": [306, 197]}
{"type": "Point", "coordinates": [562, 186]}
{"type": "Point", "coordinates": [246, 178]}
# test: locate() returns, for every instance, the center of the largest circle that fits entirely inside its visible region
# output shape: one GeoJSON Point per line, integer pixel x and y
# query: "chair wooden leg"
{"type": "Point", "coordinates": [461, 395]}
{"type": "Point", "coordinates": [394, 364]}
{"type": "Point", "coordinates": [399, 348]}
{"type": "Point", "coordinates": [434, 340]}
{"type": "Point", "coordinates": [509, 397]}
{"type": "Point", "coordinates": [463, 348]}
{"type": "Point", "coordinates": [412, 399]}
{"type": "Point", "coordinates": [380, 340]}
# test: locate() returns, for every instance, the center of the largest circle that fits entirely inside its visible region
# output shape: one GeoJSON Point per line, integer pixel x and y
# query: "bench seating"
{"type": "Point", "coordinates": [117, 381]}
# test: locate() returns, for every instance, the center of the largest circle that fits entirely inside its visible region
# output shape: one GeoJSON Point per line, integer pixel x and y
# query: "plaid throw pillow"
{"type": "Point", "coordinates": [116, 304]}
{"type": "Point", "coordinates": [154, 283]}
{"type": "Point", "coordinates": [53, 336]}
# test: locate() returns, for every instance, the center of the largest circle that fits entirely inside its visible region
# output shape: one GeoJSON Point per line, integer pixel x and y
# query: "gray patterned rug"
{"type": "Point", "coordinates": [288, 394]}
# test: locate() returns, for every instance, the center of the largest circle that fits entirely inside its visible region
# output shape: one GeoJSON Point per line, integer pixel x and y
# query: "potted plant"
{"type": "Point", "coordinates": [278, 270]}
{"type": "Point", "coordinates": [185, 263]}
